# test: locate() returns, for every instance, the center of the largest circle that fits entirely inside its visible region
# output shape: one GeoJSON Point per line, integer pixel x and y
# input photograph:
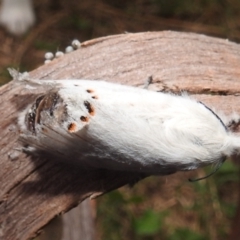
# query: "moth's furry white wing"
{"type": "Point", "coordinates": [124, 128]}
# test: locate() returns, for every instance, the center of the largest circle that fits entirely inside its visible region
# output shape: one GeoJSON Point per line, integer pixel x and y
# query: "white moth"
{"type": "Point", "coordinates": [111, 126]}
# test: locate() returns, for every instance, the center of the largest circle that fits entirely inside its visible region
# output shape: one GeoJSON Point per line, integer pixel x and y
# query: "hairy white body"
{"type": "Point", "coordinates": [117, 127]}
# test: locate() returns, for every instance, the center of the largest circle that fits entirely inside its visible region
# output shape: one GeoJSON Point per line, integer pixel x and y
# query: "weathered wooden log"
{"type": "Point", "coordinates": [34, 190]}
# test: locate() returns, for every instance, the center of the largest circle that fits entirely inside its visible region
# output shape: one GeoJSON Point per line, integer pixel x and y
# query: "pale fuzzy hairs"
{"type": "Point", "coordinates": [106, 125]}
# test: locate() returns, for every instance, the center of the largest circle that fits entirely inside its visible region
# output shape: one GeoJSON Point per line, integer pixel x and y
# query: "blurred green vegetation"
{"type": "Point", "coordinates": [171, 208]}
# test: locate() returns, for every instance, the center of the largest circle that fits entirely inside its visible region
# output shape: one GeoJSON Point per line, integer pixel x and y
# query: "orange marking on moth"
{"type": "Point", "coordinates": [92, 113]}
{"type": "Point", "coordinates": [84, 119]}
{"type": "Point", "coordinates": [90, 90]}
{"type": "Point", "coordinates": [72, 127]}
{"type": "Point", "coordinates": [89, 107]}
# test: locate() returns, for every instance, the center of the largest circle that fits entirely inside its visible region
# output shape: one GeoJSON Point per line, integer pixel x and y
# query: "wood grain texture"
{"type": "Point", "coordinates": [34, 190]}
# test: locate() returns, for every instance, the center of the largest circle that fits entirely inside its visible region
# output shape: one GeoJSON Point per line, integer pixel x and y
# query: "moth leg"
{"type": "Point", "coordinates": [232, 122]}
{"type": "Point", "coordinates": [148, 82]}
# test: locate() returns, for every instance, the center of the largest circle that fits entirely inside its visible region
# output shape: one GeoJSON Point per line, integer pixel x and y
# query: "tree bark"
{"type": "Point", "coordinates": [77, 224]}
{"type": "Point", "coordinates": [34, 190]}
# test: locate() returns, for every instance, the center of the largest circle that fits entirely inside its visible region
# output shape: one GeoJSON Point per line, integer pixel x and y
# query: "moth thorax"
{"type": "Point", "coordinates": [45, 108]}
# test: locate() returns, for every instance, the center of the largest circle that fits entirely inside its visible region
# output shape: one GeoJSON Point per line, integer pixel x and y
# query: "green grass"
{"type": "Point", "coordinates": [200, 210]}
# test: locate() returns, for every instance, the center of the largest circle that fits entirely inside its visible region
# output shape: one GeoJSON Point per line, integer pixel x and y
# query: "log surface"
{"type": "Point", "coordinates": [34, 190]}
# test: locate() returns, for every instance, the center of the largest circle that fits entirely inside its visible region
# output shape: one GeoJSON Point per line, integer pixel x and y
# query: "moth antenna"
{"type": "Point", "coordinates": [210, 174]}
